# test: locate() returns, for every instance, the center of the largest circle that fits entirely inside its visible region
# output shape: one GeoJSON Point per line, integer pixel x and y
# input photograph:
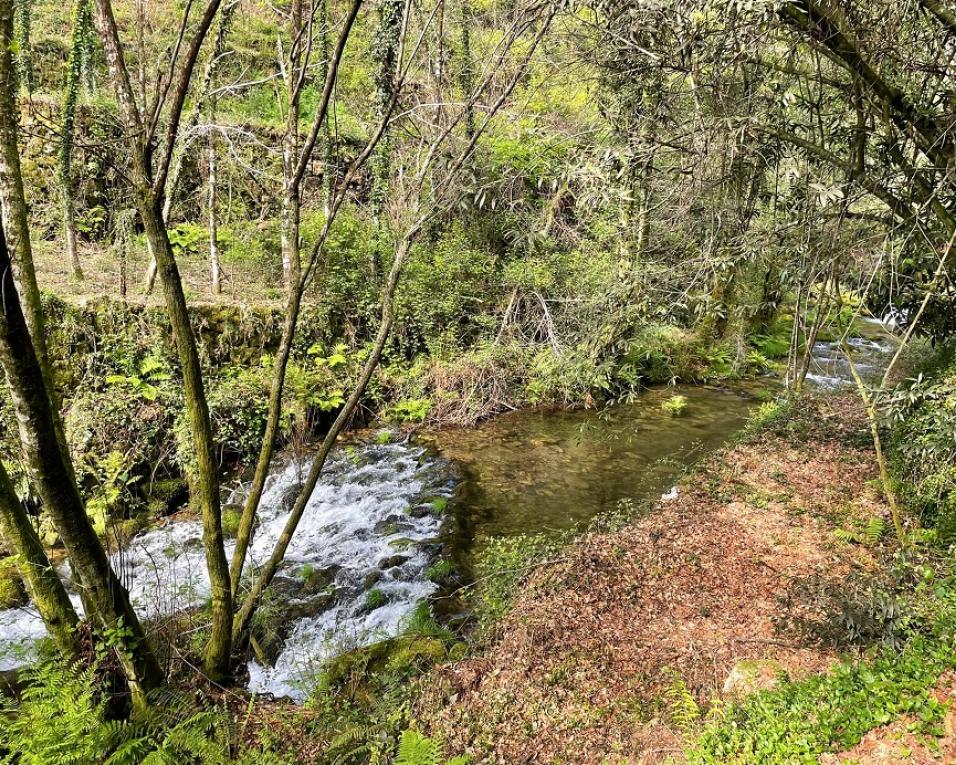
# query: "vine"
{"type": "Point", "coordinates": [22, 26]}
{"type": "Point", "coordinates": [78, 69]}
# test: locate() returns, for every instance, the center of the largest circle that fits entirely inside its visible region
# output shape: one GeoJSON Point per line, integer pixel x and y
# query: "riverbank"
{"type": "Point", "coordinates": [762, 569]}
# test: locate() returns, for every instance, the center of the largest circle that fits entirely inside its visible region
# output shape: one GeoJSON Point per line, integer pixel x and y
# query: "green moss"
{"type": "Point", "coordinates": [375, 598]}
{"type": "Point", "coordinates": [12, 591]}
{"type": "Point", "coordinates": [231, 516]}
{"type": "Point", "coordinates": [440, 571]}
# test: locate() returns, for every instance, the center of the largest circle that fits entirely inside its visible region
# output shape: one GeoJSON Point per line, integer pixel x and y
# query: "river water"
{"type": "Point", "coordinates": [382, 514]}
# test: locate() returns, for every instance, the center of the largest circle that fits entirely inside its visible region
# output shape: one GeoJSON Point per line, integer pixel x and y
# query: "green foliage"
{"type": "Point", "coordinates": [675, 405]}
{"type": "Point", "coordinates": [682, 708]}
{"type": "Point", "coordinates": [417, 749]}
{"type": "Point", "coordinates": [61, 720]}
{"type": "Point", "coordinates": [144, 378]}
{"type": "Point", "coordinates": [502, 567]}
{"type": "Point", "coordinates": [410, 410]}
{"type": "Point", "coordinates": [767, 414]}
{"type": "Point", "coordinates": [775, 346]}
{"type": "Point", "coordinates": [801, 720]}
{"type": "Point", "coordinates": [112, 489]}
{"type": "Point", "coordinates": [923, 451]}
{"type": "Point", "coordinates": [375, 598]}
{"type": "Point", "coordinates": [440, 571]}
{"type": "Point", "coordinates": [186, 239]}
{"type": "Point", "coordinates": [868, 532]}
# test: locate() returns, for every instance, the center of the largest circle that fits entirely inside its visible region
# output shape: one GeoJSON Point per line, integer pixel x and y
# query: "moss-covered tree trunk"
{"type": "Point", "coordinates": [386, 51]}
{"type": "Point", "coordinates": [75, 67]}
{"type": "Point", "coordinates": [295, 78]}
{"type": "Point", "coordinates": [148, 197]}
{"type": "Point", "coordinates": [15, 214]}
{"type": "Point", "coordinates": [212, 196]}
{"type": "Point", "coordinates": [51, 473]}
{"type": "Point", "coordinates": [43, 585]}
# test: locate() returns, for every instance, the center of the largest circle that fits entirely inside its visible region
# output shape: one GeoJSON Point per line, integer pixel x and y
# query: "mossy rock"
{"type": "Point", "coordinates": [318, 579]}
{"type": "Point", "coordinates": [399, 656]}
{"type": "Point", "coordinates": [752, 675]}
{"type": "Point", "coordinates": [167, 495]}
{"type": "Point", "coordinates": [393, 561]}
{"type": "Point", "coordinates": [12, 592]}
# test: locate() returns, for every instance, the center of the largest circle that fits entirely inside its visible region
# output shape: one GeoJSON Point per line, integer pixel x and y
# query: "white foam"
{"type": "Point", "coordinates": [345, 525]}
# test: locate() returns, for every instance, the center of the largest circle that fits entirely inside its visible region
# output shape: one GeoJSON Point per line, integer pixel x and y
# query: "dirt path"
{"type": "Point", "coordinates": [601, 656]}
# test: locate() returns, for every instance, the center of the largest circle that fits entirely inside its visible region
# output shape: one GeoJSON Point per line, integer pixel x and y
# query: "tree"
{"type": "Point", "coordinates": [43, 585]}
{"type": "Point", "coordinates": [51, 472]}
{"type": "Point", "coordinates": [77, 64]}
{"type": "Point", "coordinates": [148, 178]}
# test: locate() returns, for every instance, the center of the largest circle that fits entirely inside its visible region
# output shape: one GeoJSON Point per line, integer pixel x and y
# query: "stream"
{"type": "Point", "coordinates": [382, 514]}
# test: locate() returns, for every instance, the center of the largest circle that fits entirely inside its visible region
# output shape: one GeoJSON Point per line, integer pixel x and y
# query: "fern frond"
{"type": "Point", "coordinates": [416, 749]}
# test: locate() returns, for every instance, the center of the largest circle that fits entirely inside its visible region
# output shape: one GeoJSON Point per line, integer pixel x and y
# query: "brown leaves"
{"type": "Point", "coordinates": [578, 673]}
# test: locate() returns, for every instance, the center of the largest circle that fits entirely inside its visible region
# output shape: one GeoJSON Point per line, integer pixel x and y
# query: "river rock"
{"type": "Point", "coordinates": [319, 579]}
{"type": "Point", "coordinates": [393, 561]}
{"type": "Point", "coordinates": [753, 675]}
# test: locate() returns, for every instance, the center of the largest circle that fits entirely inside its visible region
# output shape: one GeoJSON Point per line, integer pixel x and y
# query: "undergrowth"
{"type": "Point", "coordinates": [800, 720]}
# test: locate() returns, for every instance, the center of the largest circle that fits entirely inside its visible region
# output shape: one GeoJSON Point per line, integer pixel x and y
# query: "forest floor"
{"type": "Point", "coordinates": [243, 283]}
{"type": "Point", "coordinates": [612, 654]}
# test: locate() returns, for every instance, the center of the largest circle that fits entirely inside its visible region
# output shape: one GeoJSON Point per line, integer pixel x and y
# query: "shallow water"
{"type": "Point", "coordinates": [541, 471]}
{"type": "Point", "coordinates": [830, 369]}
{"type": "Point", "coordinates": [368, 525]}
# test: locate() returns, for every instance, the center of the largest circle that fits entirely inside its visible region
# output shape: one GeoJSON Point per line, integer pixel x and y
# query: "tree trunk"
{"type": "Point", "coordinates": [82, 28]}
{"type": "Point", "coordinates": [15, 215]}
{"type": "Point", "coordinates": [213, 219]}
{"type": "Point", "coordinates": [52, 475]}
{"type": "Point", "coordinates": [43, 585]}
{"type": "Point", "coordinates": [291, 197]}
{"type": "Point", "coordinates": [467, 76]}
{"type": "Point", "coordinates": [205, 486]}
{"type": "Point", "coordinates": [69, 229]}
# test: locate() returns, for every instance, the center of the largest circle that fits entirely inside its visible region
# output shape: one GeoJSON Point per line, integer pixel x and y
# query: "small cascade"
{"type": "Point", "coordinates": [371, 524]}
{"type": "Point", "coordinates": [830, 369]}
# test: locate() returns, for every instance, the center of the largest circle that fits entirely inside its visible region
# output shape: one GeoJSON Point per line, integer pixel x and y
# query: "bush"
{"type": "Point", "coordinates": [923, 451]}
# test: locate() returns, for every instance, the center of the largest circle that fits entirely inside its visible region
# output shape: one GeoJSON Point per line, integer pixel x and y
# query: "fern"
{"type": "Point", "coordinates": [873, 531]}
{"type": "Point", "coordinates": [868, 533]}
{"type": "Point", "coordinates": [681, 706]}
{"type": "Point", "coordinates": [846, 536]}
{"type": "Point", "coordinates": [60, 721]}
{"type": "Point", "coordinates": [416, 749]}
